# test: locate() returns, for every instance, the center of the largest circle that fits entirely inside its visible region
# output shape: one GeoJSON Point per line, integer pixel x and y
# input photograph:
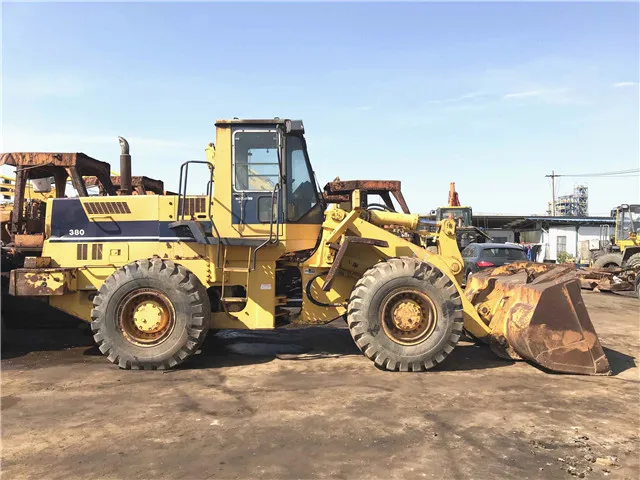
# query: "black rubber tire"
{"type": "Point", "coordinates": [633, 260]}
{"type": "Point", "coordinates": [187, 296]}
{"type": "Point", "coordinates": [608, 259]}
{"type": "Point", "coordinates": [366, 327]}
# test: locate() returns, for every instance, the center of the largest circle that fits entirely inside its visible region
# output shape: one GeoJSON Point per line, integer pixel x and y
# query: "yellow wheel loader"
{"type": "Point", "coordinates": [264, 247]}
{"type": "Point", "coordinates": [622, 249]}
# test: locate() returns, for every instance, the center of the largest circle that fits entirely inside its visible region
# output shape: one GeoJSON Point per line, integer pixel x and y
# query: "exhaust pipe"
{"type": "Point", "coordinates": [125, 167]}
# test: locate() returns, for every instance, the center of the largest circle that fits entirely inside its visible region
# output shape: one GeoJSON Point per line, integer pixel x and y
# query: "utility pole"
{"type": "Point", "coordinates": [553, 191]}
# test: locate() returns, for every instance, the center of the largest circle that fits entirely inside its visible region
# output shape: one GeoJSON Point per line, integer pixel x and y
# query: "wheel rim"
{"type": "Point", "coordinates": [146, 317]}
{"type": "Point", "coordinates": [408, 316]}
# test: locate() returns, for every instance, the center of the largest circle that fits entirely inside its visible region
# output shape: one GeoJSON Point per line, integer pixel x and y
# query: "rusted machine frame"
{"type": "Point", "coordinates": [141, 185]}
{"type": "Point", "coordinates": [340, 191]}
{"type": "Point", "coordinates": [60, 166]}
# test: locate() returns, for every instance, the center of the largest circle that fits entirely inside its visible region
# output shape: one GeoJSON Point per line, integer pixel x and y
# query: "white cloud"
{"type": "Point", "coordinates": [531, 93]}
{"type": "Point", "coordinates": [554, 96]}
{"type": "Point", "coordinates": [363, 108]}
{"type": "Point", "coordinates": [625, 84]}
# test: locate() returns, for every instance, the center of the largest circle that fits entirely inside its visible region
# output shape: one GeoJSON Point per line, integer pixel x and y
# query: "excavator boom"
{"type": "Point", "coordinates": [454, 201]}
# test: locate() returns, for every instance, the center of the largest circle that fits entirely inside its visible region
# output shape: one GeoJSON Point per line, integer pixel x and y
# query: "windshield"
{"type": "Point", "coordinates": [508, 253]}
{"type": "Point", "coordinates": [629, 221]}
{"type": "Point", "coordinates": [301, 191]}
{"type": "Point", "coordinates": [457, 213]}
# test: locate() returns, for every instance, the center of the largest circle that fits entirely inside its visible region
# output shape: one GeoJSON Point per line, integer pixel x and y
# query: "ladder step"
{"type": "Point", "coordinates": [233, 299]}
{"type": "Point", "coordinates": [236, 269]}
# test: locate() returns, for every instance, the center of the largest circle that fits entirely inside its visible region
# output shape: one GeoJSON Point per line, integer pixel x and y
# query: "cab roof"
{"type": "Point", "coordinates": [295, 126]}
{"type": "Point", "coordinates": [253, 121]}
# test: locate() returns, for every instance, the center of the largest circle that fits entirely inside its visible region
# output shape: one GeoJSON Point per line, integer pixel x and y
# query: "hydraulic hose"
{"type": "Point", "coordinates": [310, 296]}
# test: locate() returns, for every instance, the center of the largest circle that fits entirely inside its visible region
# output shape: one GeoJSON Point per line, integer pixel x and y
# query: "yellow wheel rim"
{"type": "Point", "coordinates": [408, 316]}
{"type": "Point", "coordinates": [146, 317]}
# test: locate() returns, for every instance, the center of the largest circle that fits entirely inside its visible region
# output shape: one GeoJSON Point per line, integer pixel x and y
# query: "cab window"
{"type": "Point", "coordinates": [256, 162]}
{"type": "Point", "coordinates": [301, 192]}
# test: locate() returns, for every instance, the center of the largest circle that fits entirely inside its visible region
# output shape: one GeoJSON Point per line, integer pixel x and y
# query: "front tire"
{"type": "Point", "coordinates": [405, 314]}
{"type": "Point", "coordinates": [150, 314]}
{"type": "Point", "coordinates": [608, 260]}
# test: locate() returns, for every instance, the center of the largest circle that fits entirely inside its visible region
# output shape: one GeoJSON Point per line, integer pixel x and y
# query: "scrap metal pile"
{"type": "Point", "coordinates": [610, 279]}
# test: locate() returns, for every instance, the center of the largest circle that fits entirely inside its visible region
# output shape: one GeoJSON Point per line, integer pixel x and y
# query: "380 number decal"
{"type": "Point", "coordinates": [76, 232]}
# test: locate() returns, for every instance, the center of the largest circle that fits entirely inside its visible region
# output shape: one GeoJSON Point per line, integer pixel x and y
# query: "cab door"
{"type": "Point", "coordinates": [303, 210]}
{"type": "Point", "coordinates": [256, 197]}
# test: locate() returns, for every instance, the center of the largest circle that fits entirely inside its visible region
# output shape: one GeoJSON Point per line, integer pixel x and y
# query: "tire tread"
{"type": "Point", "coordinates": [179, 277]}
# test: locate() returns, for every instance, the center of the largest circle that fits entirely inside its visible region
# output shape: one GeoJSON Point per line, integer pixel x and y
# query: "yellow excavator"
{"type": "Point", "coordinates": [265, 247]}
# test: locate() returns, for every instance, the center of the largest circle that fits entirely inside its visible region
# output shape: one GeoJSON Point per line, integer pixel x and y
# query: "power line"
{"type": "Point", "coordinates": [633, 172]}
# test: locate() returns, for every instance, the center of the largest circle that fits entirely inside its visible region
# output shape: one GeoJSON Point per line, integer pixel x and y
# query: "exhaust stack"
{"type": "Point", "coordinates": [125, 167]}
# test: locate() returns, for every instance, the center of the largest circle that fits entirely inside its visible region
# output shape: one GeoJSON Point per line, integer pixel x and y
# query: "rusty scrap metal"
{"type": "Point", "coordinates": [536, 312]}
{"type": "Point", "coordinates": [41, 281]}
{"type": "Point", "coordinates": [340, 191]}
{"type": "Point", "coordinates": [141, 185]}
{"type": "Point", "coordinates": [29, 241]}
{"type": "Point", "coordinates": [610, 279]}
{"type": "Point", "coordinates": [47, 164]}
{"type": "Point", "coordinates": [60, 166]}
{"type": "Point", "coordinates": [37, 262]}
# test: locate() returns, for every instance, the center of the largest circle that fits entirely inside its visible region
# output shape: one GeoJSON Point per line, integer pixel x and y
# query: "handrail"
{"type": "Point", "coordinates": [213, 224]}
{"type": "Point", "coordinates": [280, 210]}
{"type": "Point", "coordinates": [276, 189]}
{"type": "Point", "coordinates": [182, 198]}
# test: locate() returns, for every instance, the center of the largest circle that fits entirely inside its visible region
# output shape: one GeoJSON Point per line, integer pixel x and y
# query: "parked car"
{"type": "Point", "coordinates": [478, 256]}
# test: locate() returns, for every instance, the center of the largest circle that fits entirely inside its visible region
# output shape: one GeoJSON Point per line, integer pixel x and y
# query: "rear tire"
{"type": "Point", "coordinates": [633, 260]}
{"type": "Point", "coordinates": [608, 260]}
{"type": "Point", "coordinates": [150, 314]}
{"type": "Point", "coordinates": [390, 300]}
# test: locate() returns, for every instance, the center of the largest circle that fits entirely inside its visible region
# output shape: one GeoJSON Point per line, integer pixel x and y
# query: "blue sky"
{"type": "Point", "coordinates": [492, 96]}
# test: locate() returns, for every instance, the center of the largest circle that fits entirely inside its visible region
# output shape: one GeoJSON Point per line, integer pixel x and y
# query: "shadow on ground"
{"type": "Point", "coordinates": [228, 348]}
{"type": "Point", "coordinates": [17, 342]}
{"type": "Point", "coordinates": [240, 347]}
{"type": "Point", "coordinates": [618, 361]}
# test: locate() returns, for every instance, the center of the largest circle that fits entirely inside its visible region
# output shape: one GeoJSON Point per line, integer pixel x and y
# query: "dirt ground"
{"type": "Point", "coordinates": [306, 404]}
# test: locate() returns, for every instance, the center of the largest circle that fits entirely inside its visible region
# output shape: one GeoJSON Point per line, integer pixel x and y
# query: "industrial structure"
{"type": "Point", "coordinates": [573, 205]}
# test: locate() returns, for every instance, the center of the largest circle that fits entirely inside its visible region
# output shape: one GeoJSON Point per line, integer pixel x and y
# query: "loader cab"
{"type": "Point", "coordinates": [627, 223]}
{"type": "Point", "coordinates": [264, 183]}
{"type": "Point", "coordinates": [462, 215]}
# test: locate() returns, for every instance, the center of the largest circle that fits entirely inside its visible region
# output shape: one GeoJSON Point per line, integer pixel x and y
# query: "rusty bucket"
{"type": "Point", "coordinates": [536, 312]}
